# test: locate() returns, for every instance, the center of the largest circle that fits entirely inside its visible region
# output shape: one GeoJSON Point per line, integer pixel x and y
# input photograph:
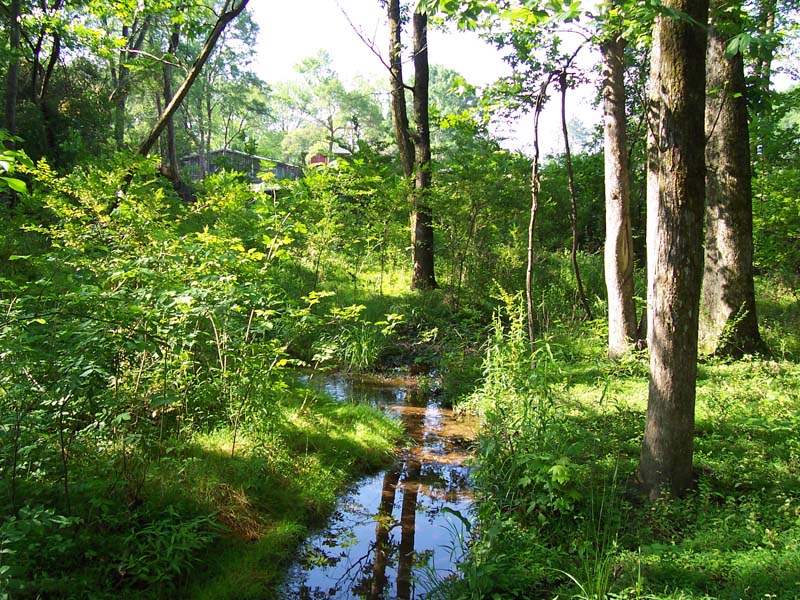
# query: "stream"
{"type": "Point", "coordinates": [396, 533]}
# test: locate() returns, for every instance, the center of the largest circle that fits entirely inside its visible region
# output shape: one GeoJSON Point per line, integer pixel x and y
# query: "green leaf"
{"type": "Point", "coordinates": [560, 474]}
{"type": "Point", "coordinates": [16, 184]}
{"type": "Point", "coordinates": [738, 44]}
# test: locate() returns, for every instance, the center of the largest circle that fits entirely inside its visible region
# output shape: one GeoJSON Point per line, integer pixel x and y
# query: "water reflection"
{"type": "Point", "coordinates": [394, 535]}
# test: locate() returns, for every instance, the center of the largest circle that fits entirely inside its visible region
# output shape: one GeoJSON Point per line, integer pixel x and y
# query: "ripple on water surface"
{"type": "Point", "coordinates": [396, 532]}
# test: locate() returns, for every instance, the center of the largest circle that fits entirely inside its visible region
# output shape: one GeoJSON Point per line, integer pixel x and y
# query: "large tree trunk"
{"type": "Point", "coordinates": [622, 326]}
{"type": "Point", "coordinates": [12, 75]}
{"type": "Point", "coordinates": [230, 11]}
{"type": "Point", "coordinates": [421, 218]}
{"type": "Point", "coordinates": [676, 189]}
{"type": "Point", "coordinates": [728, 323]}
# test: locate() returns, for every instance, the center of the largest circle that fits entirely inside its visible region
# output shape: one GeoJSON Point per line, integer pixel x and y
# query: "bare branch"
{"type": "Point", "coordinates": [163, 60]}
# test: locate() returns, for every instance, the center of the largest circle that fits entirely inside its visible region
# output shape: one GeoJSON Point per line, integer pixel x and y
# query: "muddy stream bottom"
{"type": "Point", "coordinates": [397, 533]}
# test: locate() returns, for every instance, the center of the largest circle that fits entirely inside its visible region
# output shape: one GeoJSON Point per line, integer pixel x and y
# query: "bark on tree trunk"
{"type": "Point", "coordinates": [170, 165]}
{"type": "Point", "coordinates": [535, 194]}
{"type": "Point", "coordinates": [423, 277]}
{"type": "Point", "coordinates": [398, 89]}
{"type": "Point", "coordinates": [622, 326]}
{"type": "Point", "coordinates": [414, 148]}
{"type": "Point", "coordinates": [728, 323]}
{"type": "Point", "coordinates": [230, 11]}
{"type": "Point", "coordinates": [676, 189]}
{"type": "Point", "coordinates": [123, 77]}
{"type": "Point", "coordinates": [12, 75]}
{"type": "Point", "coordinates": [766, 27]}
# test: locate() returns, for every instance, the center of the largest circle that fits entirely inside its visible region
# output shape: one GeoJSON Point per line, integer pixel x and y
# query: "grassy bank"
{"type": "Point", "coordinates": [202, 518]}
{"type": "Point", "coordinates": [560, 512]}
{"type": "Point", "coordinates": [281, 486]}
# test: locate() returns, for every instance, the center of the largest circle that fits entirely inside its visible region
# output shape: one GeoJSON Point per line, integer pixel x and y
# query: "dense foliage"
{"type": "Point", "coordinates": [155, 439]}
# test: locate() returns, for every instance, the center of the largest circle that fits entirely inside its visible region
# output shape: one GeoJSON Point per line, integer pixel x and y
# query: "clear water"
{"type": "Point", "coordinates": [398, 532]}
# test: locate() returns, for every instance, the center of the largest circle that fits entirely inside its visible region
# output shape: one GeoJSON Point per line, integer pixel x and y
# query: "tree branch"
{"type": "Point", "coordinates": [230, 11]}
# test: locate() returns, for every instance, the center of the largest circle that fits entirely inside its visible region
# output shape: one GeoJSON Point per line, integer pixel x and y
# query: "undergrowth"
{"type": "Point", "coordinates": [559, 511]}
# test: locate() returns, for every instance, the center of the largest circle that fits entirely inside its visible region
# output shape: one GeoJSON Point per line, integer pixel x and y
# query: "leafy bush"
{"type": "Point", "coordinates": [165, 549]}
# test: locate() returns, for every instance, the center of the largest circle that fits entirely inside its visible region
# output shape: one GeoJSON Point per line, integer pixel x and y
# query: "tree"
{"type": "Point", "coordinates": [134, 35]}
{"type": "Point", "coordinates": [414, 145]}
{"type": "Point", "coordinates": [622, 326]}
{"type": "Point", "coordinates": [573, 196]}
{"type": "Point", "coordinates": [728, 323]}
{"type": "Point", "coordinates": [327, 114]}
{"type": "Point", "coordinates": [230, 10]}
{"type": "Point", "coordinates": [12, 76]}
{"type": "Point", "coordinates": [169, 163]}
{"type": "Point", "coordinates": [676, 189]}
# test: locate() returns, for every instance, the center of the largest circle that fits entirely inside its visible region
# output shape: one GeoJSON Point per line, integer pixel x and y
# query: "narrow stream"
{"type": "Point", "coordinates": [396, 533]}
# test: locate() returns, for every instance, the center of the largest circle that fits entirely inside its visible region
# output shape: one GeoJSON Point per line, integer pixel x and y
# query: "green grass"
{"type": "Point", "coordinates": [193, 520]}
{"type": "Point", "coordinates": [278, 488]}
{"type": "Point", "coordinates": [735, 535]}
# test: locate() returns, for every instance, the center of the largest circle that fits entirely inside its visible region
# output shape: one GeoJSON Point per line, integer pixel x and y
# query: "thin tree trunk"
{"type": "Point", "coordinates": [728, 323]}
{"type": "Point", "coordinates": [572, 197]}
{"type": "Point", "coordinates": [676, 190]}
{"type": "Point", "coordinates": [55, 55]}
{"type": "Point", "coordinates": [766, 28]}
{"type": "Point", "coordinates": [618, 259]}
{"type": "Point", "coordinates": [12, 75]}
{"type": "Point", "coordinates": [398, 91]}
{"type": "Point", "coordinates": [421, 218]}
{"type": "Point", "coordinates": [171, 162]}
{"type": "Point", "coordinates": [536, 188]}
{"type": "Point", "coordinates": [230, 11]}
{"type": "Point", "coordinates": [38, 90]}
{"type": "Point", "coordinates": [123, 77]}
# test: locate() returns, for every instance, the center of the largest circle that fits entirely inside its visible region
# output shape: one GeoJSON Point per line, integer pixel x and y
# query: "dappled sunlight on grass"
{"type": "Point", "coordinates": [279, 484]}
{"type": "Point", "coordinates": [553, 455]}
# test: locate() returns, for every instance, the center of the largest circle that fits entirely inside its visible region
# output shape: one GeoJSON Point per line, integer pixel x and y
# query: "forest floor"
{"type": "Point", "coordinates": [560, 511]}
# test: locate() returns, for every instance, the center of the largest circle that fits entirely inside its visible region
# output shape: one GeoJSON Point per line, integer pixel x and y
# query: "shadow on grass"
{"type": "Point", "coordinates": [735, 535]}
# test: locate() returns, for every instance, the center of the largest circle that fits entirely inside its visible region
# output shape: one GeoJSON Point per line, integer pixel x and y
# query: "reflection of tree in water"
{"type": "Point", "coordinates": [431, 478]}
{"type": "Point", "coordinates": [383, 524]}
{"type": "Point", "coordinates": [385, 550]}
{"type": "Point", "coordinates": [408, 525]}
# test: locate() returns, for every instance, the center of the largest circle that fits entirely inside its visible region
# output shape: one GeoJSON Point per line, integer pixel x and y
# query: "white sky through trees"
{"type": "Point", "coordinates": [291, 30]}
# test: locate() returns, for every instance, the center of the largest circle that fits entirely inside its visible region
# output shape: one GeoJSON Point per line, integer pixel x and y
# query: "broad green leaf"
{"type": "Point", "coordinates": [16, 184]}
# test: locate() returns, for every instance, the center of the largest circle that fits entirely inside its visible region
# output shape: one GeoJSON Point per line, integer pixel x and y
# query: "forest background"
{"type": "Point", "coordinates": [155, 439]}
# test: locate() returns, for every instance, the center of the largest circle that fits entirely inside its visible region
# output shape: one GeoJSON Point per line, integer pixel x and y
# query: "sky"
{"type": "Point", "coordinates": [291, 30]}
{"type": "Point", "coordinates": [295, 29]}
